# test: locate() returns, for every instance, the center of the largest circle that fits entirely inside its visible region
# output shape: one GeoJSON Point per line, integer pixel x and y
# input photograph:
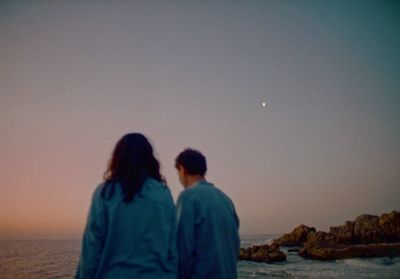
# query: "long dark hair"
{"type": "Point", "coordinates": [131, 163]}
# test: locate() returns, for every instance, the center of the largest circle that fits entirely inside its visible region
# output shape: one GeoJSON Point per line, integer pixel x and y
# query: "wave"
{"type": "Point", "coordinates": [259, 239]}
{"type": "Point", "coordinates": [372, 263]}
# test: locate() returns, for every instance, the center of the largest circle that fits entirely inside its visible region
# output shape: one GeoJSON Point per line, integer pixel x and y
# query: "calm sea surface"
{"type": "Point", "coordinates": [42, 259]}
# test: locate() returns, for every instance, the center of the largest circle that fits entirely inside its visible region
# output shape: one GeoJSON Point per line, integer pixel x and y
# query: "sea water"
{"type": "Point", "coordinates": [34, 259]}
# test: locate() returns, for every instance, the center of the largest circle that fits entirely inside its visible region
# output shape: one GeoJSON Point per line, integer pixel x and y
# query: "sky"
{"type": "Point", "coordinates": [77, 75]}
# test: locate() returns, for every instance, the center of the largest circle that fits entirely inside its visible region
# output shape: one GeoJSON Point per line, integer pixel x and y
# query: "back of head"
{"type": "Point", "coordinates": [131, 162]}
{"type": "Point", "coordinates": [192, 161]}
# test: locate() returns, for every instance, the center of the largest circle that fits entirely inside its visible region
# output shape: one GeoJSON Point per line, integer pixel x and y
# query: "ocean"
{"type": "Point", "coordinates": [34, 259]}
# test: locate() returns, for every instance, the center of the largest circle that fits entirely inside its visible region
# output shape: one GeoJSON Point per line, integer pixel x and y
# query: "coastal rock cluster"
{"type": "Point", "coordinates": [262, 253]}
{"type": "Point", "coordinates": [366, 236]}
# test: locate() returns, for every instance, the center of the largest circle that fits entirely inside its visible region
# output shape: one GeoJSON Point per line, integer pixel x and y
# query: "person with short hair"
{"type": "Point", "coordinates": [207, 239]}
{"type": "Point", "coordinates": [131, 225]}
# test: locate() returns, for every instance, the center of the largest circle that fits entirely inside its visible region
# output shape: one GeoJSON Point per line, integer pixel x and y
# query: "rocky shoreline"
{"type": "Point", "coordinates": [366, 236]}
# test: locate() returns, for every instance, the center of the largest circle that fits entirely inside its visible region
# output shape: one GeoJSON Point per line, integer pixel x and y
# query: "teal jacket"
{"type": "Point", "coordinates": [208, 237]}
{"type": "Point", "coordinates": [130, 240]}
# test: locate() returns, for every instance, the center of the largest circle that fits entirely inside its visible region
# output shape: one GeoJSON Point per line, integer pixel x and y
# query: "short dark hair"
{"type": "Point", "coordinates": [192, 161]}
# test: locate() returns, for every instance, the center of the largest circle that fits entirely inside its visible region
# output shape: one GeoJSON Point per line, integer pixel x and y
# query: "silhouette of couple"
{"type": "Point", "coordinates": [134, 230]}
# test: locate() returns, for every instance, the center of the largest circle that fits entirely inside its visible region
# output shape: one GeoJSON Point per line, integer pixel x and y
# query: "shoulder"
{"type": "Point", "coordinates": [157, 191]}
{"type": "Point", "coordinates": [208, 190]}
{"type": "Point", "coordinates": [98, 202]}
{"type": "Point", "coordinates": [224, 195]}
{"type": "Point", "coordinates": [202, 188]}
{"type": "Point", "coordinates": [195, 193]}
{"type": "Point", "coordinates": [187, 196]}
{"type": "Point", "coordinates": [153, 182]}
{"type": "Point", "coordinates": [106, 190]}
{"type": "Point", "coordinates": [153, 185]}
{"type": "Point", "coordinates": [97, 193]}
{"type": "Point", "coordinates": [188, 193]}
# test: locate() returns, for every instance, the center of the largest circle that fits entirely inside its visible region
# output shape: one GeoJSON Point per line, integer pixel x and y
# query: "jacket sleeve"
{"type": "Point", "coordinates": [186, 215]}
{"type": "Point", "coordinates": [93, 238]}
{"type": "Point", "coordinates": [172, 250]}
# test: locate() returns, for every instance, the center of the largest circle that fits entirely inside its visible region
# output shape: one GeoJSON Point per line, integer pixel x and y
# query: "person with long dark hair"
{"type": "Point", "coordinates": [131, 225]}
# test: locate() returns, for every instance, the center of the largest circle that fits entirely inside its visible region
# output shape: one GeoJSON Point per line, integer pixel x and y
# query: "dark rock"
{"type": "Point", "coordinates": [351, 251]}
{"type": "Point", "coordinates": [320, 239]}
{"type": "Point", "coordinates": [367, 230]}
{"type": "Point", "coordinates": [343, 234]}
{"type": "Point", "coordinates": [296, 237]}
{"type": "Point", "coordinates": [262, 253]}
{"type": "Point", "coordinates": [389, 224]}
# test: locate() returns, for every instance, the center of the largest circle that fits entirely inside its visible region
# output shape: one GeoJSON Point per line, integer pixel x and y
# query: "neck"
{"type": "Point", "coordinates": [193, 180]}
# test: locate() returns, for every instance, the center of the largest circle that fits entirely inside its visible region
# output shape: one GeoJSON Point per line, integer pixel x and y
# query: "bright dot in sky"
{"type": "Point", "coordinates": [264, 104]}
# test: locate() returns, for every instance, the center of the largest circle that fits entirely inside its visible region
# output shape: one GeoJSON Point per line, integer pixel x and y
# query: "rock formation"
{"type": "Point", "coordinates": [367, 230]}
{"type": "Point", "coordinates": [352, 251]}
{"type": "Point", "coordinates": [389, 223]}
{"type": "Point", "coordinates": [366, 236]}
{"type": "Point", "coordinates": [343, 234]}
{"type": "Point", "coordinates": [296, 237]}
{"type": "Point", "coordinates": [262, 253]}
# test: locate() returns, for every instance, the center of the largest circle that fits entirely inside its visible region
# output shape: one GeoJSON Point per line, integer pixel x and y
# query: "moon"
{"type": "Point", "coordinates": [264, 104]}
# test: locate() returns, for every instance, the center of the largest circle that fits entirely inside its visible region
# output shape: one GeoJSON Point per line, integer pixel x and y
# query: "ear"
{"type": "Point", "coordinates": [183, 170]}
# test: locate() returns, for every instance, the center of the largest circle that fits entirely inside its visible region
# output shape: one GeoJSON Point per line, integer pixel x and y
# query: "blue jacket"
{"type": "Point", "coordinates": [208, 237]}
{"type": "Point", "coordinates": [130, 240]}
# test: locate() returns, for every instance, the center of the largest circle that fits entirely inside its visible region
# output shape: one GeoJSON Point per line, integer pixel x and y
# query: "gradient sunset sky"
{"type": "Point", "coordinates": [77, 75]}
